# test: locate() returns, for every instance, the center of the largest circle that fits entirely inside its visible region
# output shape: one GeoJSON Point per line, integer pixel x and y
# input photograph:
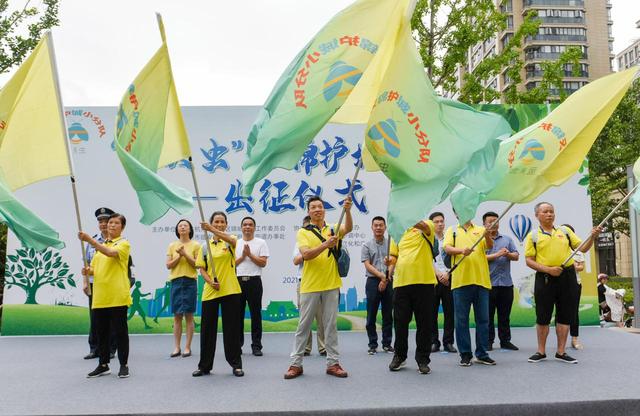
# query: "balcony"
{"type": "Point", "coordinates": [534, 3]}
{"type": "Point", "coordinates": [566, 74]}
{"type": "Point", "coordinates": [557, 38]}
{"type": "Point", "coordinates": [562, 20]}
{"type": "Point", "coordinates": [547, 56]}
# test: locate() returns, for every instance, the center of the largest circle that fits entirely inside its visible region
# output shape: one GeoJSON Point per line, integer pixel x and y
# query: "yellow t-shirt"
{"type": "Point", "coordinates": [551, 249]}
{"type": "Point", "coordinates": [474, 270]}
{"type": "Point", "coordinates": [224, 261]}
{"type": "Point", "coordinates": [111, 276]}
{"type": "Point", "coordinates": [415, 258]}
{"type": "Point", "coordinates": [320, 273]}
{"type": "Point", "coordinates": [183, 268]}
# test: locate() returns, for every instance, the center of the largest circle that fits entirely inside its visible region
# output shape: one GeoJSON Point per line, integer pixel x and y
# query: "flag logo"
{"type": "Point", "coordinates": [78, 134]}
{"type": "Point", "coordinates": [341, 80]}
{"type": "Point", "coordinates": [533, 151]}
{"type": "Point", "coordinates": [387, 132]}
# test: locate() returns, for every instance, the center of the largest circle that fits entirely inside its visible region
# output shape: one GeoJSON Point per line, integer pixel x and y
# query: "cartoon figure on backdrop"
{"type": "Point", "coordinates": [136, 295]}
{"type": "Point", "coordinates": [165, 296]}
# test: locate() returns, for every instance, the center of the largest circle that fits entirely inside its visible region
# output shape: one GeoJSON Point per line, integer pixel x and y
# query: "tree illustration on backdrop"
{"type": "Point", "coordinates": [30, 270]}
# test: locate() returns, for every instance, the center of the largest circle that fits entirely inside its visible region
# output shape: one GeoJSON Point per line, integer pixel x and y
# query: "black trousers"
{"type": "Point", "coordinates": [374, 299]}
{"type": "Point", "coordinates": [575, 323]}
{"type": "Point", "coordinates": [443, 295]}
{"type": "Point", "coordinates": [232, 322]}
{"type": "Point", "coordinates": [108, 321]}
{"type": "Point", "coordinates": [413, 300]}
{"type": "Point", "coordinates": [500, 300]}
{"type": "Point", "coordinates": [252, 295]}
{"type": "Point", "coordinates": [93, 335]}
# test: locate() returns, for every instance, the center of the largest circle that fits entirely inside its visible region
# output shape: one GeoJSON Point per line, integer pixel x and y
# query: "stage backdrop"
{"type": "Point", "coordinates": [44, 296]}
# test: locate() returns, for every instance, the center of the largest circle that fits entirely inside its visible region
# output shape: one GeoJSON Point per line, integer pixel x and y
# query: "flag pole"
{"type": "Point", "coordinates": [193, 173]}
{"type": "Point", "coordinates": [63, 125]}
{"type": "Point", "coordinates": [353, 184]}
{"type": "Point", "coordinates": [455, 266]}
{"type": "Point", "coordinates": [602, 223]}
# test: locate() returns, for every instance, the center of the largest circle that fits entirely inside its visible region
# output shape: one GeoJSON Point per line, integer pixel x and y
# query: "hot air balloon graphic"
{"type": "Point", "coordinates": [533, 150]}
{"type": "Point", "coordinates": [341, 80]}
{"type": "Point", "coordinates": [520, 226]}
{"type": "Point", "coordinates": [385, 131]}
{"type": "Point", "coordinates": [78, 134]}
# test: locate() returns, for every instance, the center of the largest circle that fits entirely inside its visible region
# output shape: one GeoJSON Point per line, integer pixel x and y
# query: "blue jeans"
{"type": "Point", "coordinates": [463, 298]}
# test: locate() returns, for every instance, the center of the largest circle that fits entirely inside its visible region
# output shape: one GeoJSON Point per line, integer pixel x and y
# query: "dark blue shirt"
{"type": "Point", "coordinates": [500, 268]}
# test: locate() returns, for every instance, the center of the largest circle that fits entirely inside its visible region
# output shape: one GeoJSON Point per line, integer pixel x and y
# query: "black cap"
{"type": "Point", "coordinates": [103, 212]}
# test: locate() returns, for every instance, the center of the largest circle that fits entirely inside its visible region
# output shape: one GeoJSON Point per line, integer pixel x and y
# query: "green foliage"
{"type": "Point", "coordinates": [31, 270]}
{"type": "Point", "coordinates": [446, 29]}
{"type": "Point", "coordinates": [617, 146]}
{"type": "Point", "coordinates": [21, 30]}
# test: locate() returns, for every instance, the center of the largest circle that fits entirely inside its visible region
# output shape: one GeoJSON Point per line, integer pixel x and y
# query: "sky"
{"type": "Point", "coordinates": [223, 52]}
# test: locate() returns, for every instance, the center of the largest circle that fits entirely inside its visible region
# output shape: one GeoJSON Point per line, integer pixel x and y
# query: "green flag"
{"type": "Point", "coordinates": [337, 72]}
{"type": "Point", "coordinates": [150, 134]}
{"type": "Point", "coordinates": [422, 142]}
{"type": "Point", "coordinates": [548, 152]}
{"type": "Point", "coordinates": [27, 226]}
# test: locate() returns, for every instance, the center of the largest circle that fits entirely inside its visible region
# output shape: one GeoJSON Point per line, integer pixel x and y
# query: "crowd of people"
{"type": "Point", "coordinates": [464, 266]}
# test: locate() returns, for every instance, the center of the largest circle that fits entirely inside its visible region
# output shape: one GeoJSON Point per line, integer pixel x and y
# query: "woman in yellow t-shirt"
{"type": "Point", "coordinates": [111, 296]}
{"type": "Point", "coordinates": [221, 290]}
{"type": "Point", "coordinates": [181, 262]}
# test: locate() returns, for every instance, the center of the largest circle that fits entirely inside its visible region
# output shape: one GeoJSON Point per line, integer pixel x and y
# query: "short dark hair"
{"type": "Point", "coordinates": [489, 214]}
{"type": "Point", "coordinates": [436, 214]}
{"type": "Point", "coordinates": [248, 218]}
{"type": "Point", "coordinates": [378, 218]}
{"type": "Point", "coordinates": [314, 199]}
{"type": "Point", "coordinates": [218, 213]}
{"type": "Point", "coordinates": [121, 217]}
{"type": "Point", "coordinates": [306, 219]}
{"type": "Point", "coordinates": [190, 228]}
{"type": "Point", "coordinates": [569, 227]}
{"type": "Point", "coordinates": [539, 204]}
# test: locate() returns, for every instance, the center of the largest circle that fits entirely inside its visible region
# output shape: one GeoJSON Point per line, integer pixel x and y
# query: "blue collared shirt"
{"type": "Point", "coordinates": [90, 251]}
{"type": "Point", "coordinates": [500, 268]}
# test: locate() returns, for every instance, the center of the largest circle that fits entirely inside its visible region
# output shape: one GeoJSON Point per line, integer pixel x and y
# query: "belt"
{"type": "Point", "coordinates": [247, 278]}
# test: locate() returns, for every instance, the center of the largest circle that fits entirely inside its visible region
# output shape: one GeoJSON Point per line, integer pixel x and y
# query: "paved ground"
{"type": "Point", "coordinates": [46, 375]}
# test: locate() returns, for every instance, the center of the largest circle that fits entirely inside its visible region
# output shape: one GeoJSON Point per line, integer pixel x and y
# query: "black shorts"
{"type": "Point", "coordinates": [550, 291]}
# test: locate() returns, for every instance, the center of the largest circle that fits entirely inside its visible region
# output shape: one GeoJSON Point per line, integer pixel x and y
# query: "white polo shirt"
{"type": "Point", "coordinates": [258, 248]}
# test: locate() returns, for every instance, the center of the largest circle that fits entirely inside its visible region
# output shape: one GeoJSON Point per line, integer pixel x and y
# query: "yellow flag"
{"type": "Point", "coordinates": [32, 136]}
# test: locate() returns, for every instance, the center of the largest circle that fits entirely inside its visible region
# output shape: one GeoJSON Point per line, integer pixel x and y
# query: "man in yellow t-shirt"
{"type": "Point", "coordinates": [414, 283]}
{"type": "Point", "coordinates": [470, 284]}
{"type": "Point", "coordinates": [546, 249]}
{"type": "Point", "coordinates": [320, 285]}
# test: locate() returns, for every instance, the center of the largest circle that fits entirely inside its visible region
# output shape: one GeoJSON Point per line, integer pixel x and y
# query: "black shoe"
{"type": "Point", "coordinates": [465, 361]}
{"type": "Point", "coordinates": [423, 368]}
{"type": "Point", "coordinates": [323, 353]}
{"type": "Point", "coordinates": [307, 353]}
{"type": "Point", "coordinates": [435, 347]}
{"type": "Point", "coordinates": [200, 373]}
{"type": "Point", "coordinates": [485, 360]}
{"type": "Point", "coordinates": [257, 353]}
{"type": "Point", "coordinates": [101, 370]}
{"type": "Point", "coordinates": [175, 354]}
{"type": "Point", "coordinates": [238, 372]}
{"type": "Point", "coordinates": [490, 347]}
{"type": "Point", "coordinates": [565, 358]}
{"type": "Point", "coordinates": [388, 348]}
{"type": "Point", "coordinates": [90, 356]}
{"type": "Point", "coordinates": [449, 348]}
{"type": "Point", "coordinates": [537, 357]}
{"type": "Point", "coordinates": [124, 371]}
{"type": "Point", "coordinates": [397, 363]}
{"type": "Point", "coordinates": [371, 351]}
{"type": "Point", "coordinates": [508, 346]}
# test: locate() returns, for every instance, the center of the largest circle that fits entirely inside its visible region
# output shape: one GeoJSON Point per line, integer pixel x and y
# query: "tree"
{"type": "Point", "coordinates": [30, 270]}
{"type": "Point", "coordinates": [617, 146]}
{"type": "Point", "coordinates": [444, 45]}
